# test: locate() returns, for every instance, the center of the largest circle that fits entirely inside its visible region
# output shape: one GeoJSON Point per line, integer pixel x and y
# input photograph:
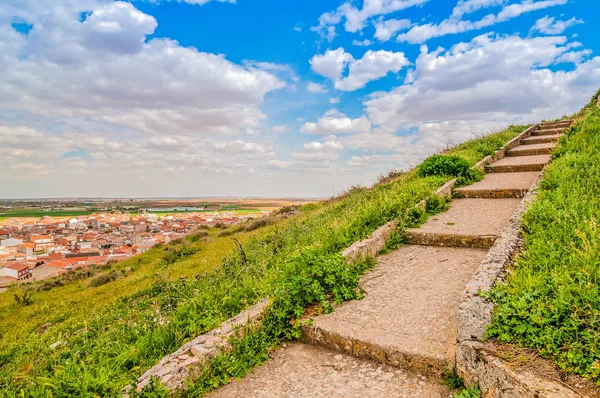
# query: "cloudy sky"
{"type": "Point", "coordinates": [271, 97]}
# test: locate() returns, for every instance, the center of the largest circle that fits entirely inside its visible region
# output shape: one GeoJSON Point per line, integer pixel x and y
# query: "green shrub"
{"type": "Point", "coordinates": [24, 299]}
{"type": "Point", "coordinates": [177, 250]}
{"type": "Point", "coordinates": [103, 279]}
{"type": "Point", "coordinates": [443, 165]}
{"type": "Point", "coordinates": [309, 207]}
{"type": "Point", "coordinates": [450, 166]}
{"type": "Point", "coordinates": [197, 235]}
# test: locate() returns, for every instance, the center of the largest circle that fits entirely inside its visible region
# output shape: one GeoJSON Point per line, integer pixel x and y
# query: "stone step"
{"type": "Point", "coordinates": [532, 149]}
{"type": "Point", "coordinates": [543, 132]}
{"type": "Point", "coordinates": [542, 139]}
{"type": "Point", "coordinates": [409, 316]}
{"type": "Point", "coordinates": [303, 371]}
{"type": "Point", "coordinates": [468, 223]}
{"type": "Point", "coordinates": [513, 164]}
{"type": "Point", "coordinates": [499, 186]}
{"type": "Point", "coordinates": [564, 123]}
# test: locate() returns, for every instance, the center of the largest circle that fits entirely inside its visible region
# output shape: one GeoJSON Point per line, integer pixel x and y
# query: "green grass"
{"type": "Point", "coordinates": [113, 330]}
{"type": "Point", "coordinates": [38, 213]}
{"type": "Point", "coordinates": [551, 301]}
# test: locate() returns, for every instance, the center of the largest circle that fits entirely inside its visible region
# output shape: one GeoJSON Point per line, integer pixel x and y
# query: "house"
{"type": "Point", "coordinates": [42, 243]}
{"type": "Point", "coordinates": [26, 248]}
{"type": "Point", "coordinates": [17, 270]}
{"type": "Point", "coordinates": [68, 241]}
{"type": "Point", "coordinates": [83, 246]}
{"type": "Point", "coordinates": [10, 242]}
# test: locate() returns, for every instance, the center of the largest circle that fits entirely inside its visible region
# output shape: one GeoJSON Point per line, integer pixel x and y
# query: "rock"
{"type": "Point", "coordinates": [199, 351]}
{"type": "Point", "coordinates": [45, 327]}
{"type": "Point", "coordinates": [56, 345]}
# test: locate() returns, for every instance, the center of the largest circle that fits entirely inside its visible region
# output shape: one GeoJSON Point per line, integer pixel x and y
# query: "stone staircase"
{"type": "Point", "coordinates": [402, 336]}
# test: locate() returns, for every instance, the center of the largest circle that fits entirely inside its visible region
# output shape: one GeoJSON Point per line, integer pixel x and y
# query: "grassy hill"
{"type": "Point", "coordinates": [93, 332]}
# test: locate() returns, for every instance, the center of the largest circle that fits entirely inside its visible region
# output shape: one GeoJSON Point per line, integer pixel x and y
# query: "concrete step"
{"type": "Point", "coordinates": [409, 316]}
{"type": "Point", "coordinates": [542, 139]}
{"type": "Point", "coordinates": [563, 124]}
{"type": "Point", "coordinates": [513, 164]}
{"type": "Point", "coordinates": [532, 149]}
{"type": "Point", "coordinates": [468, 223]}
{"type": "Point", "coordinates": [303, 371]}
{"type": "Point", "coordinates": [552, 131]}
{"type": "Point", "coordinates": [500, 186]}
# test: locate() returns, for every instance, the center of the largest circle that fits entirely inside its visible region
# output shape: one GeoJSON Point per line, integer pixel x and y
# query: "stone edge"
{"type": "Point", "coordinates": [174, 369]}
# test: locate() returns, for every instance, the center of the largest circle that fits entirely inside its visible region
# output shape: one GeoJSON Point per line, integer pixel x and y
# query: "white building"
{"type": "Point", "coordinates": [10, 242]}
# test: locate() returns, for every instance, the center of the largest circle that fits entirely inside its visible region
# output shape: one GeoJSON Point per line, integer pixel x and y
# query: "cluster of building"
{"type": "Point", "coordinates": [39, 249]}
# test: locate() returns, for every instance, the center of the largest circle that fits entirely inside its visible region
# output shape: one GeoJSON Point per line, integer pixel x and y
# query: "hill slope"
{"type": "Point", "coordinates": [108, 326]}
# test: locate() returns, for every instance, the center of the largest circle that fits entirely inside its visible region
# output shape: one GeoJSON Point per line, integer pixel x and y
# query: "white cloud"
{"type": "Point", "coordinates": [319, 151]}
{"type": "Point", "coordinates": [334, 100]}
{"type": "Point", "coordinates": [332, 63]}
{"type": "Point", "coordinates": [315, 88]}
{"type": "Point", "coordinates": [494, 78]}
{"type": "Point", "coordinates": [283, 128]}
{"type": "Point", "coordinates": [372, 66]}
{"type": "Point", "coordinates": [241, 146]}
{"type": "Point", "coordinates": [362, 43]}
{"type": "Point", "coordinates": [297, 28]}
{"type": "Point", "coordinates": [468, 6]}
{"type": "Point", "coordinates": [551, 26]}
{"type": "Point", "coordinates": [356, 19]}
{"type": "Point", "coordinates": [202, 2]}
{"type": "Point", "coordinates": [454, 25]}
{"type": "Point", "coordinates": [384, 30]}
{"type": "Point", "coordinates": [278, 164]}
{"type": "Point", "coordinates": [335, 122]}
{"type": "Point", "coordinates": [101, 68]}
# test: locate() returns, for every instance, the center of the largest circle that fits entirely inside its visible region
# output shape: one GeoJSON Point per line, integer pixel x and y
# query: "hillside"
{"type": "Point", "coordinates": [94, 333]}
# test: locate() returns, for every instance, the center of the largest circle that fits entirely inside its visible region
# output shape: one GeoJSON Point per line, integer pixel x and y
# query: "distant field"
{"type": "Point", "coordinates": [37, 213]}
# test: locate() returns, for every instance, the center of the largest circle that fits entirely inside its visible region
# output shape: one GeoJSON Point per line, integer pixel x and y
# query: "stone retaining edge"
{"type": "Point", "coordinates": [174, 369]}
{"type": "Point", "coordinates": [497, 379]}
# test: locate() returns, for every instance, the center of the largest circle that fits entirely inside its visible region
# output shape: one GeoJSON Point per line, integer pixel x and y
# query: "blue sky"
{"type": "Point", "coordinates": [271, 98]}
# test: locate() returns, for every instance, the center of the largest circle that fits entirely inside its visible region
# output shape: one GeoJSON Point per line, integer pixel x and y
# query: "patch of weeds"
{"type": "Point", "coordinates": [388, 177]}
{"type": "Point", "coordinates": [471, 176]}
{"type": "Point", "coordinates": [452, 380]}
{"type": "Point", "coordinates": [309, 207]}
{"type": "Point", "coordinates": [177, 250]}
{"type": "Point", "coordinates": [473, 392]}
{"type": "Point", "coordinates": [435, 204]}
{"type": "Point", "coordinates": [24, 299]}
{"type": "Point", "coordinates": [197, 235]}
{"type": "Point", "coordinates": [394, 242]}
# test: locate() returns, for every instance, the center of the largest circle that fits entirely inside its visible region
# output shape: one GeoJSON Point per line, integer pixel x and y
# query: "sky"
{"type": "Point", "coordinates": [287, 98]}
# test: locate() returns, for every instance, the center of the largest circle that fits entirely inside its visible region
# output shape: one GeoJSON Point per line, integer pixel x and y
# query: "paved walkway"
{"type": "Point", "coordinates": [305, 371]}
{"type": "Point", "coordinates": [409, 317]}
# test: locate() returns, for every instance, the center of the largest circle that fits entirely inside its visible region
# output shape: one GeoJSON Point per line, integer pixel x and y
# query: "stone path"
{"type": "Point", "coordinates": [305, 371]}
{"type": "Point", "coordinates": [409, 317]}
